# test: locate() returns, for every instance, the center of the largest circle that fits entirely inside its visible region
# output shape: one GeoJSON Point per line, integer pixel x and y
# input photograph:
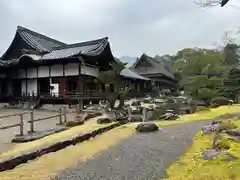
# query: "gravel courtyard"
{"type": "Point", "coordinates": [141, 157]}
{"type": "Point", "coordinates": [8, 134]}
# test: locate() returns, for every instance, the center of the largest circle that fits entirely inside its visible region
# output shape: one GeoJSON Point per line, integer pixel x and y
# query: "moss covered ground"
{"type": "Point", "coordinates": [203, 115]}
{"type": "Point", "coordinates": [192, 166]}
{"type": "Point", "coordinates": [47, 141]}
{"type": "Point", "coordinates": [48, 166]}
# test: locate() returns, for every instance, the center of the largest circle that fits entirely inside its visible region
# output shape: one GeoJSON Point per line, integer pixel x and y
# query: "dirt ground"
{"type": "Point", "coordinates": [8, 134]}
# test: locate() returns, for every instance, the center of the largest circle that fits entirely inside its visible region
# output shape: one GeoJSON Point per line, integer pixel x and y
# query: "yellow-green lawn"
{"type": "Point", "coordinates": [47, 141]}
{"type": "Point", "coordinates": [50, 165]}
{"type": "Point", "coordinates": [192, 166]}
{"type": "Point", "coordinates": [204, 115]}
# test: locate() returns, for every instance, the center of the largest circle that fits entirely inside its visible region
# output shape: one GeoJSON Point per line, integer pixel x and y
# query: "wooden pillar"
{"type": "Point", "coordinates": [80, 84]}
{"type": "Point", "coordinates": [26, 79]}
{"type": "Point", "coordinates": [63, 86]}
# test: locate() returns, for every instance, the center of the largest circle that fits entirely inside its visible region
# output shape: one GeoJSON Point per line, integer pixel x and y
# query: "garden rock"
{"type": "Point", "coordinates": [210, 128]}
{"type": "Point", "coordinates": [104, 121]}
{"type": "Point", "coordinates": [216, 122]}
{"type": "Point", "coordinates": [210, 154]}
{"type": "Point", "coordinates": [74, 123]}
{"type": "Point", "coordinates": [147, 127]}
{"type": "Point", "coordinates": [169, 116]}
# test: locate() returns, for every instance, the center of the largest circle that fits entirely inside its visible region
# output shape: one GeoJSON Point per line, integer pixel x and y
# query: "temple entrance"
{"type": "Point", "coordinates": [16, 83]}
{"type": "Point", "coordinates": [44, 86]}
{"type": "Point", "coordinates": [72, 86]}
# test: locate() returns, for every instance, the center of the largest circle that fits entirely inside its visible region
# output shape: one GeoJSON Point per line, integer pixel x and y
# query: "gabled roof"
{"type": "Point", "coordinates": [89, 48]}
{"type": "Point", "coordinates": [3, 63]}
{"type": "Point", "coordinates": [38, 41]}
{"type": "Point", "coordinates": [157, 67]}
{"type": "Point", "coordinates": [45, 48]}
{"type": "Point", "coordinates": [131, 74]}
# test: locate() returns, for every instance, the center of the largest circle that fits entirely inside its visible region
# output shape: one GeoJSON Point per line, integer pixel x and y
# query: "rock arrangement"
{"type": "Point", "coordinates": [24, 158]}
{"type": "Point", "coordinates": [169, 115]}
{"type": "Point", "coordinates": [224, 138]}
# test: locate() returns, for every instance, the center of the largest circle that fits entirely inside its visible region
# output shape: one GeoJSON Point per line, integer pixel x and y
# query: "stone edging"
{"type": "Point", "coordinates": [12, 163]}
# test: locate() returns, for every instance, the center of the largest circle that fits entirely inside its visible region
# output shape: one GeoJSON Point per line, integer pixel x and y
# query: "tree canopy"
{"type": "Point", "coordinates": [204, 73]}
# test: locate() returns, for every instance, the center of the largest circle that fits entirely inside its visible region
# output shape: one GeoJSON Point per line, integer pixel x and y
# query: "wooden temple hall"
{"type": "Point", "coordinates": [38, 67]}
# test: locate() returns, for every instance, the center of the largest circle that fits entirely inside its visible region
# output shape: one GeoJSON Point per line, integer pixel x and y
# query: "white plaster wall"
{"type": "Point", "coordinates": [56, 70]}
{"type": "Point", "coordinates": [21, 73]}
{"type": "Point", "coordinates": [43, 71]}
{"type": "Point", "coordinates": [23, 86]}
{"type": "Point", "coordinates": [71, 69]}
{"type": "Point", "coordinates": [32, 72]}
{"type": "Point", "coordinates": [90, 71]}
{"type": "Point", "coordinates": [32, 86]}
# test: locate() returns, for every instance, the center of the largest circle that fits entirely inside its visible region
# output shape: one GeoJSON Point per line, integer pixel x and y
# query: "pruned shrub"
{"type": "Point", "coordinates": [227, 126]}
{"type": "Point", "coordinates": [202, 108]}
{"type": "Point", "coordinates": [193, 106]}
{"type": "Point", "coordinates": [219, 101]}
{"type": "Point", "coordinates": [213, 105]}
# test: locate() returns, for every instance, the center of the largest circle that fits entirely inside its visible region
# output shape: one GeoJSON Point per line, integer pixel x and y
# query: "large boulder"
{"type": "Point", "coordinates": [147, 127]}
{"type": "Point", "coordinates": [104, 120]}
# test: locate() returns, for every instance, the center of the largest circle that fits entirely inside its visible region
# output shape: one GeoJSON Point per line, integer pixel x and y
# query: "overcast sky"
{"type": "Point", "coordinates": [133, 26]}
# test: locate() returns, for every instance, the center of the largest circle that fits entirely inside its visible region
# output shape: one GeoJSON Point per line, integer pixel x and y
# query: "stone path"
{"type": "Point", "coordinates": [141, 157]}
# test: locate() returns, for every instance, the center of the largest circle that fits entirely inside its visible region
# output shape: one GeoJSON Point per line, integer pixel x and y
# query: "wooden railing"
{"type": "Point", "coordinates": [61, 115]}
{"type": "Point", "coordinates": [35, 96]}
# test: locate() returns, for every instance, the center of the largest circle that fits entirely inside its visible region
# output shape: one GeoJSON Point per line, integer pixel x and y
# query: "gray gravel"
{"type": "Point", "coordinates": [141, 157]}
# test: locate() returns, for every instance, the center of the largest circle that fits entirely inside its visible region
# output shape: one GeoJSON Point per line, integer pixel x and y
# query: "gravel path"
{"type": "Point", "coordinates": [141, 157]}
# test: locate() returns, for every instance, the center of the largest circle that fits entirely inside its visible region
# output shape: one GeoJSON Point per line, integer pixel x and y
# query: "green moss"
{"type": "Point", "coordinates": [192, 165]}
{"type": "Point", "coordinates": [227, 126]}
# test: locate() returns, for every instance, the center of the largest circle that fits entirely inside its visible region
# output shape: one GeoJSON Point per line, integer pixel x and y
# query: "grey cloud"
{"type": "Point", "coordinates": [133, 26]}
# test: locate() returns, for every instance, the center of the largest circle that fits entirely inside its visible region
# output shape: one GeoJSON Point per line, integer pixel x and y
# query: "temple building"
{"type": "Point", "coordinates": [153, 69]}
{"type": "Point", "coordinates": [38, 67]}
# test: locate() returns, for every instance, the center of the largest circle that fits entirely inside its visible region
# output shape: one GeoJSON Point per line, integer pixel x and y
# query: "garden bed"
{"type": "Point", "coordinates": [8, 164]}
{"type": "Point", "coordinates": [194, 165]}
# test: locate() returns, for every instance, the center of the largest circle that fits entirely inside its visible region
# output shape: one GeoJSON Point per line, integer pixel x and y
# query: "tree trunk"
{"type": "Point", "coordinates": [121, 101]}
{"type": "Point", "coordinates": [110, 99]}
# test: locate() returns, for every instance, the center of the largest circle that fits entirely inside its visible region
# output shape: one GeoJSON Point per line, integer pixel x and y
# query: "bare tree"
{"type": "Point", "coordinates": [211, 3]}
{"type": "Point", "coordinates": [227, 38]}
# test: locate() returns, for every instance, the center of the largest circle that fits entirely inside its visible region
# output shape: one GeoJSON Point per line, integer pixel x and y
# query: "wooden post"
{"type": "Point", "coordinates": [60, 116]}
{"type": "Point", "coordinates": [144, 114]}
{"type": "Point", "coordinates": [65, 114]}
{"type": "Point", "coordinates": [31, 122]}
{"type": "Point", "coordinates": [129, 114]}
{"type": "Point", "coordinates": [21, 125]}
{"type": "Point", "coordinates": [78, 107]}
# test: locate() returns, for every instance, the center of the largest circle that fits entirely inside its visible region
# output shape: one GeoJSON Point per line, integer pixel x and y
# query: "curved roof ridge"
{"type": "Point", "coordinates": [21, 28]}
{"type": "Point", "coordinates": [85, 43]}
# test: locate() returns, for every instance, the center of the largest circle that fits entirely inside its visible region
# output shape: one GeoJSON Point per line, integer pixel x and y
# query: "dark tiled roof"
{"type": "Point", "coordinates": [38, 41]}
{"type": "Point", "coordinates": [131, 74]}
{"type": "Point", "coordinates": [45, 48]}
{"type": "Point", "coordinates": [157, 67]}
{"type": "Point", "coordinates": [3, 63]}
{"type": "Point", "coordinates": [90, 48]}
